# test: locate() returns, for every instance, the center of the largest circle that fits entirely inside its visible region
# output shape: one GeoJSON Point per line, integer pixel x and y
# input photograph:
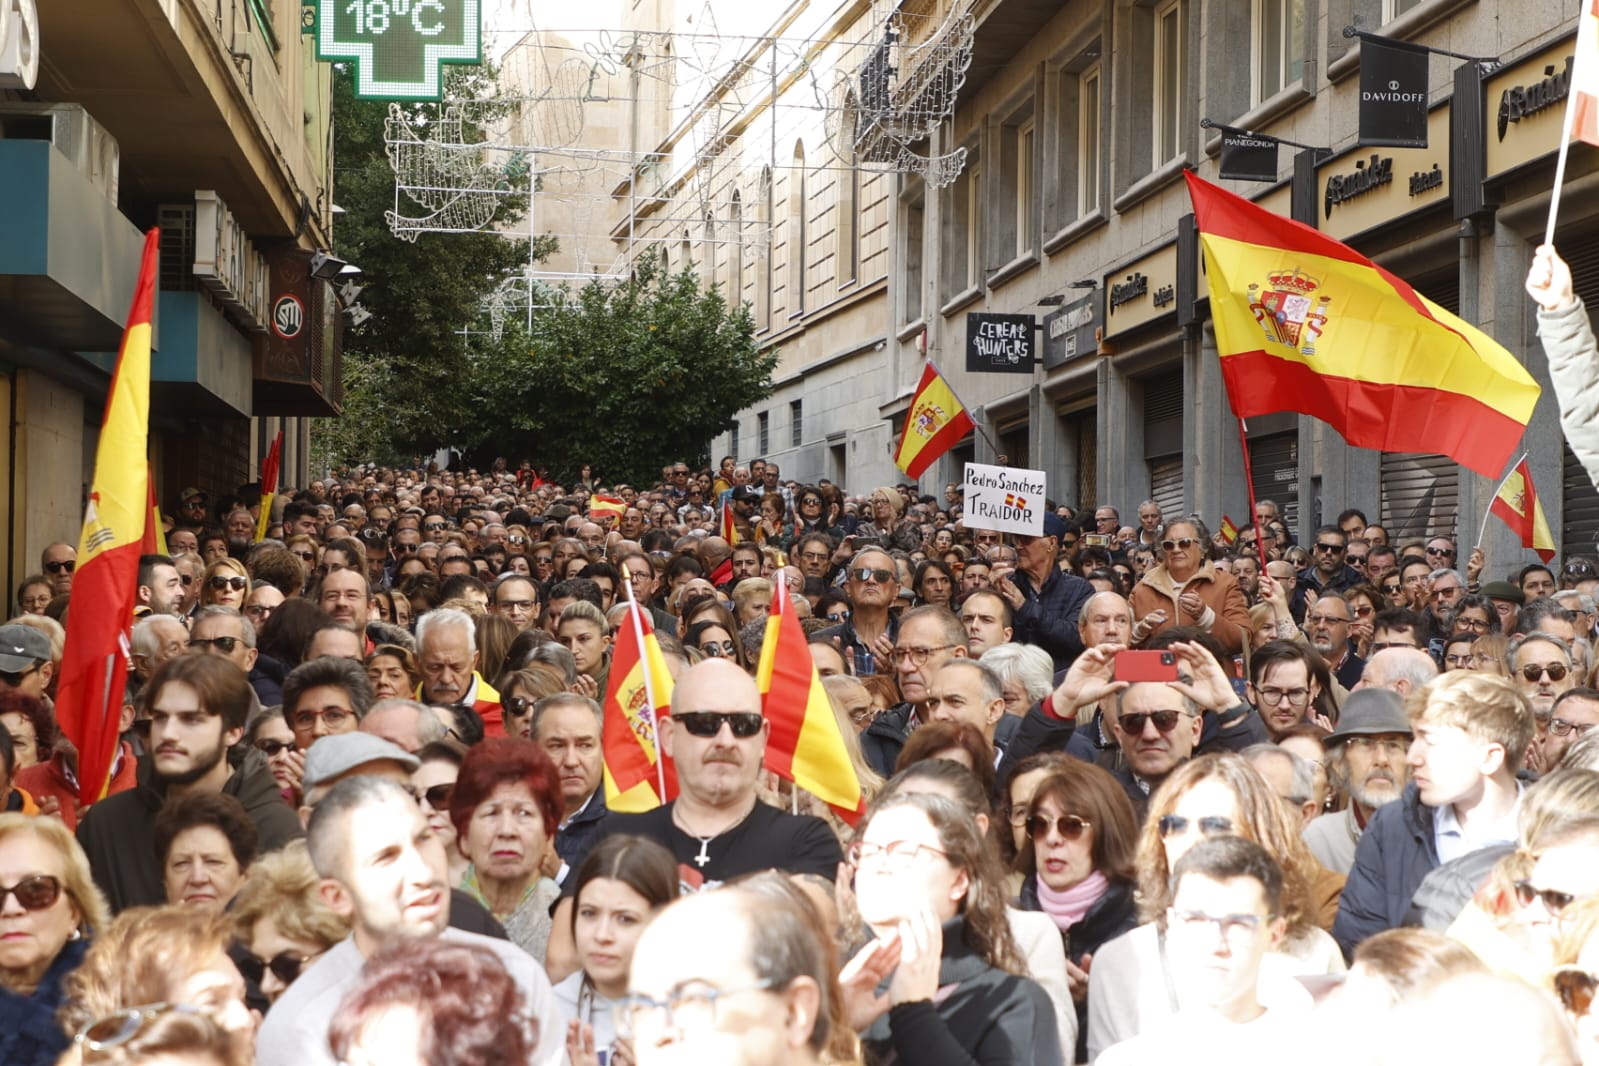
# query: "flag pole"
{"type": "Point", "coordinates": [1560, 176]}
{"type": "Point", "coordinates": [649, 682]}
{"type": "Point", "coordinates": [1249, 482]}
{"type": "Point", "coordinates": [976, 425]}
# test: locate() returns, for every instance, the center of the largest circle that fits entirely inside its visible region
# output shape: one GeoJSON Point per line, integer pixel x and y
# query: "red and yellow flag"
{"type": "Point", "coordinates": [1584, 94]}
{"type": "Point", "coordinates": [605, 507]}
{"type": "Point", "coordinates": [805, 745]}
{"type": "Point", "coordinates": [729, 531]}
{"type": "Point", "coordinates": [1229, 531]}
{"type": "Point", "coordinates": [269, 485]}
{"type": "Point", "coordinates": [638, 776]}
{"type": "Point", "coordinates": [1516, 503]}
{"type": "Point", "coordinates": [155, 535]}
{"type": "Point", "coordinates": [935, 423]}
{"type": "Point", "coordinates": [1304, 323]}
{"type": "Point", "coordinates": [94, 665]}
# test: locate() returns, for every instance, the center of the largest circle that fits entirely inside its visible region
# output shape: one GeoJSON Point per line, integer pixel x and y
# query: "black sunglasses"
{"type": "Point", "coordinates": [881, 577]}
{"type": "Point", "coordinates": [223, 644]}
{"type": "Point", "coordinates": [1181, 542]}
{"type": "Point", "coordinates": [726, 649]}
{"type": "Point", "coordinates": [1553, 901]}
{"type": "Point", "coordinates": [237, 584]}
{"type": "Point", "coordinates": [66, 566]}
{"type": "Point", "coordinates": [744, 724]}
{"type": "Point", "coordinates": [438, 796]}
{"type": "Point", "coordinates": [1133, 724]}
{"type": "Point", "coordinates": [285, 966]}
{"type": "Point", "coordinates": [517, 706]}
{"type": "Point", "coordinates": [1210, 825]}
{"type": "Point", "coordinates": [272, 748]}
{"type": "Point", "coordinates": [1533, 671]}
{"type": "Point", "coordinates": [1069, 826]}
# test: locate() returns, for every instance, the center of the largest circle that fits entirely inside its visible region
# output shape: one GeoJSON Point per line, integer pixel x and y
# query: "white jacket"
{"type": "Point", "coordinates": [1573, 353]}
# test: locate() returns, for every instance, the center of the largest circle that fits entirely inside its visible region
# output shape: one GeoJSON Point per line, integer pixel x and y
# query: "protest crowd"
{"type": "Point", "coordinates": [1130, 788]}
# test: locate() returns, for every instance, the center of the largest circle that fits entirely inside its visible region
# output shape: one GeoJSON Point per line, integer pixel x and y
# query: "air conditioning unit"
{"type": "Point", "coordinates": [75, 134]}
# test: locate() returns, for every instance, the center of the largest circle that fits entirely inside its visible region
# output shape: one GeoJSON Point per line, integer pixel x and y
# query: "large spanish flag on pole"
{"type": "Point", "coordinates": [805, 745]}
{"type": "Point", "coordinates": [1516, 503]}
{"type": "Point", "coordinates": [935, 423]}
{"type": "Point", "coordinates": [94, 665]}
{"type": "Point", "coordinates": [1307, 324]}
{"type": "Point", "coordinates": [638, 775]}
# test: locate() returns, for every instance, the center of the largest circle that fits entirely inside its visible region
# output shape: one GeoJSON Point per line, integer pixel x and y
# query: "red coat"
{"type": "Point", "coordinates": [52, 778]}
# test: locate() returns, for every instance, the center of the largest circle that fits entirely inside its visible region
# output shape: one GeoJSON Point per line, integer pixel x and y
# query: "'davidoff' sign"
{"type": "Point", "coordinates": [1005, 499]}
{"type": "Point", "coordinates": [399, 47]}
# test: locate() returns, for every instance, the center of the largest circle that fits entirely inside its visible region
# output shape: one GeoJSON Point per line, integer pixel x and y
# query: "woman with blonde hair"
{"type": "Point", "coordinates": [1213, 795]}
{"type": "Point", "coordinates": [170, 954]}
{"type": "Point", "coordinates": [50, 909]}
{"type": "Point", "coordinates": [1491, 654]}
{"type": "Point", "coordinates": [225, 583]}
{"type": "Point", "coordinates": [281, 921]}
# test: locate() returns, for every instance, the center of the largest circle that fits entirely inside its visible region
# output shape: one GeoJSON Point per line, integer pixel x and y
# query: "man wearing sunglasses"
{"type": "Point", "coordinates": [58, 562]}
{"type": "Point", "coordinates": [1472, 734]}
{"type": "Point", "coordinates": [25, 664]}
{"type": "Point", "coordinates": [224, 631]}
{"type": "Point", "coordinates": [1540, 666]}
{"type": "Point", "coordinates": [1328, 571]}
{"type": "Point", "coordinates": [717, 829]}
{"type": "Point", "coordinates": [198, 705]}
{"type": "Point", "coordinates": [1044, 600]}
{"type": "Point", "coordinates": [867, 637]}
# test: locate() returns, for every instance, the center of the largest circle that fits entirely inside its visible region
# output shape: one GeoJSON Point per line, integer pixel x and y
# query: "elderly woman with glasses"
{"type": "Point", "coordinates": [281, 921]}
{"type": "Point", "coordinates": [1187, 589]}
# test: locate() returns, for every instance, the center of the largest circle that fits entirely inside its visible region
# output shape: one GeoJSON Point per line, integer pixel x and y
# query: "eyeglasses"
{"type": "Point", "coordinates": [1390, 747]}
{"type": "Point", "coordinates": [682, 1009]}
{"type": "Point", "coordinates": [438, 796]}
{"type": "Point", "coordinates": [1440, 551]}
{"type": "Point", "coordinates": [1165, 721]}
{"type": "Point", "coordinates": [1534, 671]}
{"type": "Point", "coordinates": [1228, 926]}
{"type": "Point", "coordinates": [1476, 625]}
{"type": "Point", "coordinates": [1272, 697]}
{"type": "Point", "coordinates": [433, 526]}
{"type": "Point", "coordinates": [1561, 728]}
{"type": "Point", "coordinates": [896, 854]}
{"type": "Point", "coordinates": [1327, 619]}
{"type": "Point", "coordinates": [237, 584]}
{"type": "Point", "coordinates": [1181, 542]}
{"type": "Point", "coordinates": [837, 616]}
{"type": "Point", "coordinates": [66, 566]}
{"type": "Point", "coordinates": [15, 680]}
{"type": "Point", "coordinates": [285, 966]}
{"type": "Point", "coordinates": [1460, 662]}
{"type": "Point", "coordinates": [1578, 570]}
{"type": "Point", "coordinates": [1211, 825]}
{"type": "Point", "coordinates": [516, 538]}
{"type": "Point", "coordinates": [1067, 826]}
{"type": "Point", "coordinates": [332, 717]}
{"type": "Point", "coordinates": [36, 893]}
{"type": "Point", "coordinates": [225, 645]}
{"type": "Point", "coordinates": [186, 579]}
{"type": "Point", "coordinates": [881, 577]}
{"type": "Point", "coordinates": [309, 557]}
{"type": "Point", "coordinates": [814, 557]}
{"type": "Point", "coordinates": [114, 1030]}
{"type": "Point", "coordinates": [1329, 549]}
{"type": "Point", "coordinates": [1553, 901]}
{"type": "Point", "coordinates": [744, 724]}
{"type": "Point", "coordinates": [405, 549]}
{"type": "Point", "coordinates": [257, 610]}
{"type": "Point", "coordinates": [1446, 593]}
{"type": "Point", "coordinates": [1576, 989]}
{"type": "Point", "coordinates": [273, 748]}
{"type": "Point", "coordinates": [917, 657]}
{"type": "Point", "coordinates": [517, 706]}
{"type": "Point", "coordinates": [1390, 590]}
{"type": "Point", "coordinates": [725, 650]}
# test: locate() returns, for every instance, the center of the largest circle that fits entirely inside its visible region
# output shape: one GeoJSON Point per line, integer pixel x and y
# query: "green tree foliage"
{"type": "Point", "coordinates": [625, 377]}
{"type": "Point", "coordinates": [407, 370]}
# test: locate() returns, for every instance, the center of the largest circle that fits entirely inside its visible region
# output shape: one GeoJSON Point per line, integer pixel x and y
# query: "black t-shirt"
{"type": "Point", "coordinates": [769, 839]}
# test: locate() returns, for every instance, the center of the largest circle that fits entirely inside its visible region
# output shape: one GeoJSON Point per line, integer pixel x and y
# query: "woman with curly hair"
{"type": "Point", "coordinates": [1213, 795]}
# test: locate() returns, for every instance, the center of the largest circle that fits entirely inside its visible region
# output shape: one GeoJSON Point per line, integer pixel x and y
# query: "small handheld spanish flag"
{"type": "Point", "coordinates": [935, 423]}
{"type": "Point", "coordinates": [1229, 532]}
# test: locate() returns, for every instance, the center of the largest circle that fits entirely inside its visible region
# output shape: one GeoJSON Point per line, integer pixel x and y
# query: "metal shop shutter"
{"type": "Point", "coordinates": [1163, 441]}
{"type": "Point", "coordinates": [1086, 434]}
{"type": "Point", "coordinates": [1166, 485]}
{"type": "Point", "coordinates": [1420, 495]}
{"type": "Point", "coordinates": [1274, 461]}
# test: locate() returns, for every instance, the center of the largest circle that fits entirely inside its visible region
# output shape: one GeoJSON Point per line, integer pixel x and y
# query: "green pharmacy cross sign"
{"type": "Point", "coordinates": [399, 46]}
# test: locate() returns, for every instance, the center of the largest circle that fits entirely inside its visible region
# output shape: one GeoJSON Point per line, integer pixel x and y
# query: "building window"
{"type": "Point", "coordinates": [1015, 226]}
{"type": "Point", "coordinates": [796, 423]}
{"type": "Point", "coordinates": [1279, 47]}
{"type": "Point", "coordinates": [796, 234]}
{"type": "Point", "coordinates": [846, 244]}
{"type": "Point", "coordinates": [962, 230]}
{"type": "Point", "coordinates": [763, 432]}
{"type": "Point", "coordinates": [1168, 67]}
{"type": "Point", "coordinates": [1026, 195]}
{"type": "Point", "coordinates": [735, 251]}
{"type": "Point", "coordinates": [763, 249]}
{"type": "Point", "coordinates": [1088, 138]}
{"type": "Point", "coordinates": [1392, 9]}
{"type": "Point", "coordinates": [732, 440]}
{"type": "Point", "coordinates": [912, 219]}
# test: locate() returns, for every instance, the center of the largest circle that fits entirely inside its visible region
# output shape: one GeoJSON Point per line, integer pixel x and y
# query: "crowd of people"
{"type": "Point", "coordinates": [1128, 794]}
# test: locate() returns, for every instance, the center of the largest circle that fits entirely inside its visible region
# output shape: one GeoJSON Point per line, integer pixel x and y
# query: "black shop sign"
{"type": "Point", "coordinates": [1002, 344]}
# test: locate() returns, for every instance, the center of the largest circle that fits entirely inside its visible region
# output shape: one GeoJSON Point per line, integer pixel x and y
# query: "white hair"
{"type": "Point", "coordinates": [1025, 663]}
{"type": "Point", "coordinates": [446, 618]}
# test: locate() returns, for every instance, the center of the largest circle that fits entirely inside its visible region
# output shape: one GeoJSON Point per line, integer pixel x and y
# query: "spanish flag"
{"type": "Point", "coordinates": [605, 507]}
{"type": "Point", "coordinates": [729, 530]}
{"type": "Point", "coordinates": [1517, 504]}
{"type": "Point", "coordinates": [1307, 324]}
{"type": "Point", "coordinates": [1229, 531]}
{"type": "Point", "coordinates": [638, 777]}
{"type": "Point", "coordinates": [1583, 100]}
{"type": "Point", "coordinates": [269, 485]}
{"type": "Point", "coordinates": [805, 745]}
{"type": "Point", "coordinates": [935, 423]}
{"type": "Point", "coordinates": [94, 665]}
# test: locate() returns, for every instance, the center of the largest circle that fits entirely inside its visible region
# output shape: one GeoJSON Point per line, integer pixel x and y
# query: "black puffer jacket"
{"type": "Point", "coordinates": [1114, 913]}
{"type": "Point", "coordinates": [1394, 856]}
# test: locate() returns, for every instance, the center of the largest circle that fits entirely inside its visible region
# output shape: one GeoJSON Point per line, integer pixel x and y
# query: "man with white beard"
{"type": "Point", "coordinates": [1367, 756]}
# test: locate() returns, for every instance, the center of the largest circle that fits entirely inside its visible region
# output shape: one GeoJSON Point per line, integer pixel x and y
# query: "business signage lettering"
{"type": "Point", "coordinates": [1523, 101]}
{"type": "Point", "coordinates": [399, 47]}
{"type": "Point", "coordinates": [1393, 93]}
{"type": "Point", "coordinates": [227, 263]}
{"type": "Point", "coordinates": [999, 343]}
{"type": "Point", "coordinates": [1368, 175]}
{"type": "Point", "coordinates": [1073, 329]}
{"type": "Point", "coordinates": [1248, 158]}
{"type": "Point", "coordinates": [1426, 180]}
{"type": "Point", "coordinates": [1125, 292]}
